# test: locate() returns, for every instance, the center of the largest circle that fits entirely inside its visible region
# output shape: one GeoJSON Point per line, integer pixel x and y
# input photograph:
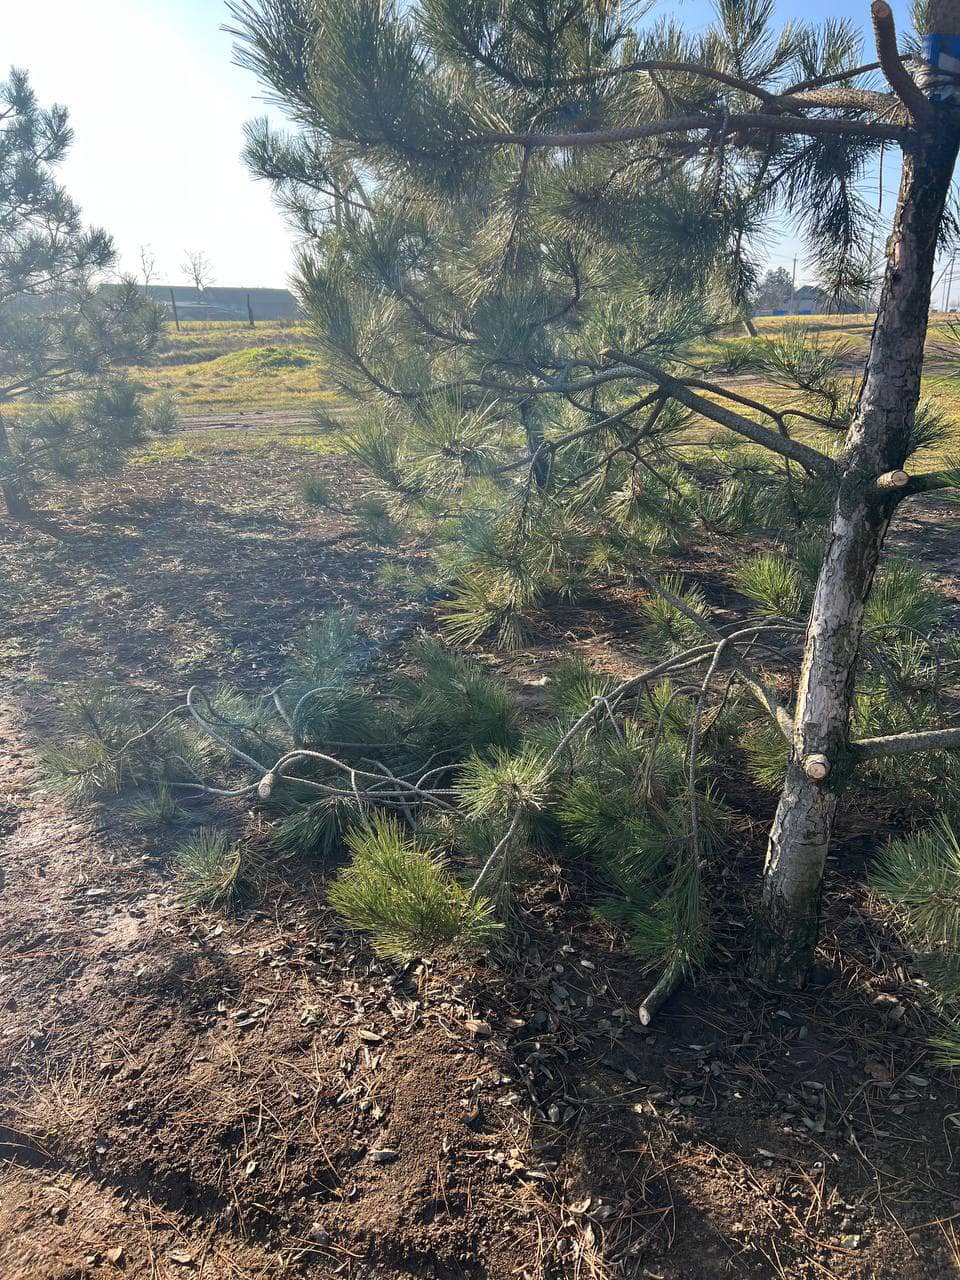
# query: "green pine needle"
{"type": "Point", "coordinates": [398, 891]}
{"type": "Point", "coordinates": [215, 871]}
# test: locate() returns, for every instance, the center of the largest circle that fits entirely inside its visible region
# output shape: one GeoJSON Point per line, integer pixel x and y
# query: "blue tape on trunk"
{"type": "Point", "coordinates": [940, 78]}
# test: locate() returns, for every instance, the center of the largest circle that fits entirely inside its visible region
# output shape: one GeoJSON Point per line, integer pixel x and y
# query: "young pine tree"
{"type": "Point", "coordinates": [64, 401]}
{"type": "Point", "coordinates": [528, 219]}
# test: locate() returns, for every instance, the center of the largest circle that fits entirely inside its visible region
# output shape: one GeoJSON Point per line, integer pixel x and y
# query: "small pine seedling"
{"type": "Point", "coordinates": [316, 492]}
{"type": "Point", "coordinates": [399, 892]}
{"type": "Point", "coordinates": [214, 872]}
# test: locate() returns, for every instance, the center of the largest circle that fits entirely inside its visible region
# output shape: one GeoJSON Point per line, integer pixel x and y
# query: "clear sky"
{"type": "Point", "coordinates": [158, 110]}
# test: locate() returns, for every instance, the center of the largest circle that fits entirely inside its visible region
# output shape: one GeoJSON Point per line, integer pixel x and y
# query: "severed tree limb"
{"type": "Point", "coordinates": [901, 744]}
{"type": "Point", "coordinates": [899, 79]}
{"type": "Point", "coordinates": [660, 994]}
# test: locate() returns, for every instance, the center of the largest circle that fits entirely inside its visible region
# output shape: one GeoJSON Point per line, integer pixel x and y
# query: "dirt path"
{"type": "Point", "coordinates": [184, 1095]}
{"type": "Point", "coordinates": [231, 419]}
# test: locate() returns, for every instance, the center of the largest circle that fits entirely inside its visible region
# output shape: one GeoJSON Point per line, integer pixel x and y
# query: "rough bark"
{"type": "Point", "coordinates": [878, 443]}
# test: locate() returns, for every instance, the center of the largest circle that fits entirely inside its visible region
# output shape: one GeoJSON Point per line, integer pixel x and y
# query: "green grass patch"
{"type": "Point", "coordinates": [219, 366]}
{"type": "Point", "coordinates": [253, 361]}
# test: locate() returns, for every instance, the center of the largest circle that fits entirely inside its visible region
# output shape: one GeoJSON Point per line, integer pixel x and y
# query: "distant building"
{"type": "Point", "coordinates": [810, 301]}
{"type": "Point", "coordinates": [216, 303]}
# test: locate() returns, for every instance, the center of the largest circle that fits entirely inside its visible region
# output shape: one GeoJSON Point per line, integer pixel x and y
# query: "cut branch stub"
{"type": "Point", "coordinates": [265, 787]}
{"type": "Point", "coordinates": [893, 480]}
{"type": "Point", "coordinates": [660, 994]}
{"type": "Point", "coordinates": [816, 767]}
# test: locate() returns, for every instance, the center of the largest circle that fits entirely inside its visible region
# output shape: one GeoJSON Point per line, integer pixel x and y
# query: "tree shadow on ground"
{"type": "Point", "coordinates": [737, 1136]}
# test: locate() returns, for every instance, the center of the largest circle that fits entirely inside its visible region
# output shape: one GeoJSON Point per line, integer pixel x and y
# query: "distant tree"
{"type": "Point", "coordinates": [774, 291]}
{"type": "Point", "coordinates": [148, 266]}
{"type": "Point", "coordinates": [65, 404]}
{"type": "Point", "coordinates": [198, 269]}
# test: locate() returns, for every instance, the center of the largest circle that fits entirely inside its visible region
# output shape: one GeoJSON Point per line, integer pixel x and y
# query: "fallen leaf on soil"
{"type": "Point", "coordinates": [878, 1070]}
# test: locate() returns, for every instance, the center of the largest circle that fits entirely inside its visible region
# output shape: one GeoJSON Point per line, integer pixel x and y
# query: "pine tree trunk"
{"type": "Point", "coordinates": [14, 497]}
{"type": "Point", "coordinates": [878, 442]}
{"type": "Point", "coordinates": [534, 437]}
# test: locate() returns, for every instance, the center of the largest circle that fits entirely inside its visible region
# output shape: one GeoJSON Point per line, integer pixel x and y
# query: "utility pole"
{"type": "Point", "coordinates": [176, 314]}
{"type": "Point", "coordinates": [793, 288]}
{"type": "Point", "coordinates": [946, 301]}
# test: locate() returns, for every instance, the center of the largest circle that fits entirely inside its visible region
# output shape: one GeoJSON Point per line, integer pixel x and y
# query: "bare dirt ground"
{"type": "Point", "coordinates": [188, 1095]}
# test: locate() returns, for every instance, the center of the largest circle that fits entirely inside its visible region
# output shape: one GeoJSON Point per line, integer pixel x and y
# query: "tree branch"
{"type": "Point", "coordinates": [695, 70]}
{"type": "Point", "coordinates": [551, 446]}
{"type": "Point", "coordinates": [810, 459]}
{"type": "Point", "coordinates": [815, 127]}
{"type": "Point", "coordinates": [901, 744]}
{"type": "Point", "coordinates": [842, 100]}
{"type": "Point", "coordinates": [932, 481]}
{"type": "Point", "coordinates": [767, 699]}
{"type": "Point", "coordinates": [899, 79]}
{"type": "Point", "coordinates": [836, 77]}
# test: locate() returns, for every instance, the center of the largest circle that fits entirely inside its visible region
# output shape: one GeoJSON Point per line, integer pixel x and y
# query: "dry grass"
{"type": "Point", "coordinates": [227, 367]}
{"type": "Point", "coordinates": [223, 366]}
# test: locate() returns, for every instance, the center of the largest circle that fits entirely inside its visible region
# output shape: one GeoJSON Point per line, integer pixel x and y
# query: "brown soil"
{"type": "Point", "coordinates": [185, 1095]}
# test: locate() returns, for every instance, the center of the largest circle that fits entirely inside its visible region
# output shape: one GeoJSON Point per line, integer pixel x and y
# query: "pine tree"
{"type": "Point", "coordinates": [530, 221]}
{"type": "Point", "coordinates": [65, 403]}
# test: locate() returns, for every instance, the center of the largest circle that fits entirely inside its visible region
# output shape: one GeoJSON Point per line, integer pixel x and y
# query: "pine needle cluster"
{"type": "Point", "coordinates": [397, 890]}
{"type": "Point", "coordinates": [919, 877]}
{"type": "Point", "coordinates": [215, 872]}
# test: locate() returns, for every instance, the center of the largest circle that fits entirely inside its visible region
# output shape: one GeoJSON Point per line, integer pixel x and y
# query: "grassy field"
{"type": "Point", "coordinates": [265, 440]}
{"type": "Point", "coordinates": [227, 367]}
{"type": "Point", "coordinates": [855, 325]}
{"type": "Point", "coordinates": [218, 367]}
